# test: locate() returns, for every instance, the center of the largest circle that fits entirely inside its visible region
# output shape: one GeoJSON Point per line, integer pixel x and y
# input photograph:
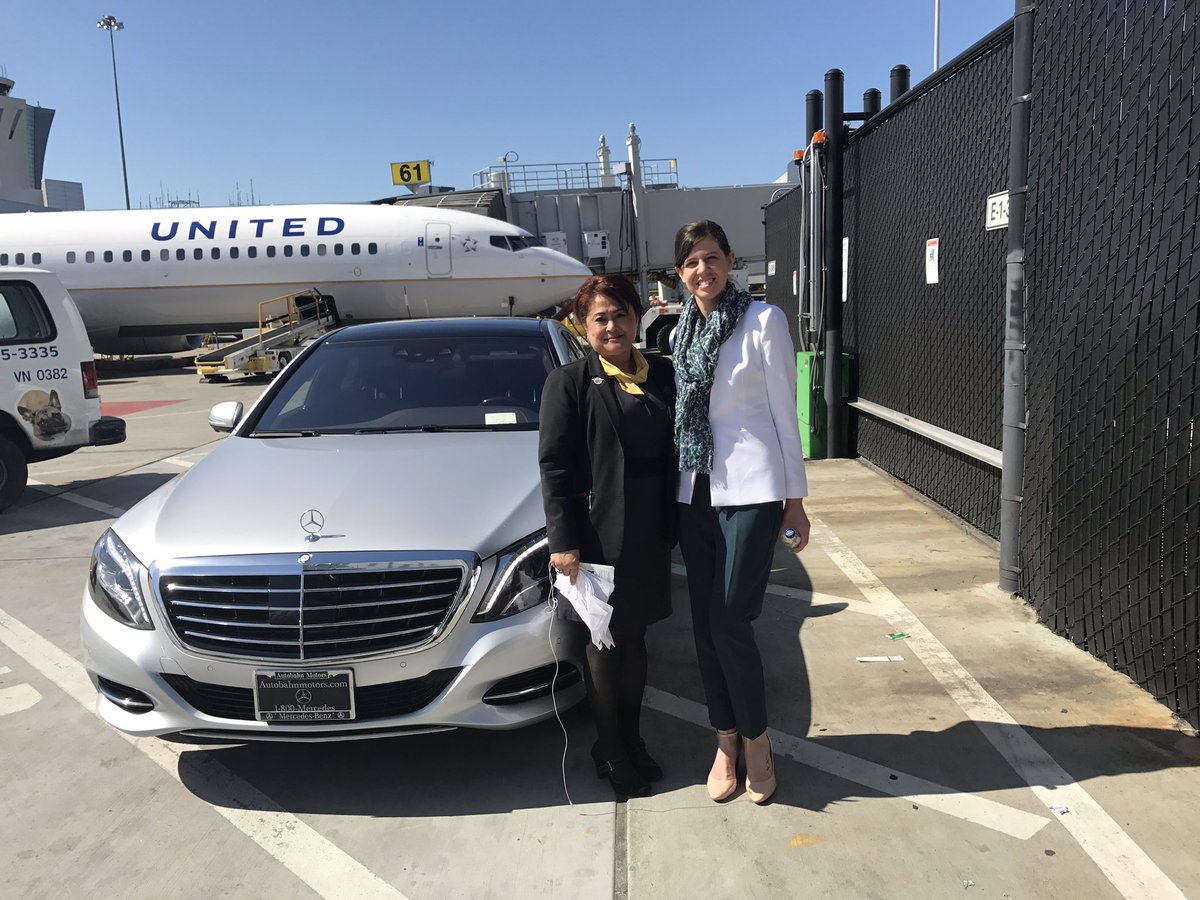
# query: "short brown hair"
{"type": "Point", "coordinates": [617, 288]}
{"type": "Point", "coordinates": [687, 237]}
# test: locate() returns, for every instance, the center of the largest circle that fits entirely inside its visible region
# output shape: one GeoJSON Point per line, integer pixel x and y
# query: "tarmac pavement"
{"type": "Point", "coordinates": [990, 759]}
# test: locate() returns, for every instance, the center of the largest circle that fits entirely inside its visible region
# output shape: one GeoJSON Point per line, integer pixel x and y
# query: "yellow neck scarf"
{"type": "Point", "coordinates": [625, 381]}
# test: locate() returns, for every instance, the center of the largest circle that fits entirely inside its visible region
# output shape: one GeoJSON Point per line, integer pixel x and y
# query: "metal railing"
{"type": "Point", "coordinates": [521, 179]}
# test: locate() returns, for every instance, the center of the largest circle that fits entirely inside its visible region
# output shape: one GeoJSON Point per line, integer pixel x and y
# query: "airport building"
{"type": "Point", "coordinates": [24, 134]}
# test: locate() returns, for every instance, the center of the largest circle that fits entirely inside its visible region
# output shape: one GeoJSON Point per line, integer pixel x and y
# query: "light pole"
{"type": "Point", "coordinates": [110, 24]}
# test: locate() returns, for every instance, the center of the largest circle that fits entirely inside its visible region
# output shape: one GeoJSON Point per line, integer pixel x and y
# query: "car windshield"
{"type": "Point", "coordinates": [455, 382]}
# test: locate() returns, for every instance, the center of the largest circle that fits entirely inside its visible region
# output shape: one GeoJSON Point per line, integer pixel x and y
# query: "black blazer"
{"type": "Point", "coordinates": [579, 450]}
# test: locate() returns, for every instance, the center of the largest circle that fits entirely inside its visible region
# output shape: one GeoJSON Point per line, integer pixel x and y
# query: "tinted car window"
{"type": "Point", "coordinates": [455, 381]}
{"type": "Point", "coordinates": [23, 316]}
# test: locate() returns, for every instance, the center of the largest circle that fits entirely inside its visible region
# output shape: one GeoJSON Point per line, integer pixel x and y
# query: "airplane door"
{"type": "Point", "coordinates": [437, 249]}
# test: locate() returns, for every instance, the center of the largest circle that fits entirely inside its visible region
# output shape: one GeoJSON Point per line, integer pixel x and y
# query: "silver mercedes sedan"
{"type": "Point", "coordinates": [364, 555]}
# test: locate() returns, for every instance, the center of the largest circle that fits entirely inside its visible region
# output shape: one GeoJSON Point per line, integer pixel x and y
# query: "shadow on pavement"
{"type": "Point", "coordinates": [476, 772]}
{"type": "Point", "coordinates": [37, 508]}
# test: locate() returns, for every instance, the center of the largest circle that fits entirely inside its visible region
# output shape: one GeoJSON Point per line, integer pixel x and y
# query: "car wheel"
{"type": "Point", "coordinates": [284, 359]}
{"type": "Point", "coordinates": [14, 472]}
{"type": "Point", "coordinates": [663, 340]}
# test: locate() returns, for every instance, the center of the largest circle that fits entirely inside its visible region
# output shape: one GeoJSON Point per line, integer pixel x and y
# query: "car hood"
{"type": "Point", "coordinates": [466, 491]}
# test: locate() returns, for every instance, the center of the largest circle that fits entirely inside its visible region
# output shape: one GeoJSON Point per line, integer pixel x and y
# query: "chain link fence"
{"type": "Point", "coordinates": [1110, 520]}
{"type": "Point", "coordinates": [922, 170]}
{"type": "Point", "coordinates": [1110, 534]}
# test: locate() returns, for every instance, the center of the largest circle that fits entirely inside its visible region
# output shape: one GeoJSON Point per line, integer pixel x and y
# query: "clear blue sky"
{"type": "Point", "coordinates": [314, 100]}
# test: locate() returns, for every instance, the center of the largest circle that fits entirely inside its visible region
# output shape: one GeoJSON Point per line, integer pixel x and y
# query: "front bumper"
{"type": "Point", "coordinates": [496, 659]}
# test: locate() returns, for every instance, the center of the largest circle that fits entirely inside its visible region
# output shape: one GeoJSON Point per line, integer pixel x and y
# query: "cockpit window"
{"type": "Point", "coordinates": [514, 243]}
{"type": "Point", "coordinates": [457, 382]}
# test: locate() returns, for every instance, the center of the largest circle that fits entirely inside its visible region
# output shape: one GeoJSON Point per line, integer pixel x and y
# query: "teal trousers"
{"type": "Point", "coordinates": [728, 553]}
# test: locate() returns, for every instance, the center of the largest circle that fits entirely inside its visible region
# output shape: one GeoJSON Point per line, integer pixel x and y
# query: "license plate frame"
{"type": "Point", "coordinates": [304, 695]}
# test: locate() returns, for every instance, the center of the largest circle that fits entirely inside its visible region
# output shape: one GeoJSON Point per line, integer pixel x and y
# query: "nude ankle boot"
{"type": "Point", "coordinates": [722, 778]}
{"type": "Point", "coordinates": [760, 768]}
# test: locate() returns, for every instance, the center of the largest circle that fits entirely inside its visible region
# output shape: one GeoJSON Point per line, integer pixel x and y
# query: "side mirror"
{"type": "Point", "coordinates": [225, 416]}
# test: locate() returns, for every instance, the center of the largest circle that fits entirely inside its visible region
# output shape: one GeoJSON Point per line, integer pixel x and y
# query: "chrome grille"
{"type": "Point", "coordinates": [314, 612]}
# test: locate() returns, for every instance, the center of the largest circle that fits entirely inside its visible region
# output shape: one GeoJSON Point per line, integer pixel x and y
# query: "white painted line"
{"type": "Point", "coordinates": [78, 499]}
{"type": "Point", "coordinates": [178, 461]}
{"type": "Point", "coordinates": [951, 801]}
{"type": "Point", "coordinates": [18, 697]}
{"type": "Point", "coordinates": [320, 864]}
{"type": "Point", "coordinates": [1130, 870]}
{"type": "Point", "coordinates": [873, 659]}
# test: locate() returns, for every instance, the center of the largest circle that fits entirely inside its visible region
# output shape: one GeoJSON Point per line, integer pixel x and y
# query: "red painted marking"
{"type": "Point", "coordinates": [131, 407]}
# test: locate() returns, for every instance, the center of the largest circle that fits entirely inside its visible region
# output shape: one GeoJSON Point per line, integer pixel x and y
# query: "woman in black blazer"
{"type": "Point", "coordinates": [609, 477]}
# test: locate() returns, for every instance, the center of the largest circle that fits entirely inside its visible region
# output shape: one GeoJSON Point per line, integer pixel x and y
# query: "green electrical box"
{"type": "Point", "coordinates": [810, 401]}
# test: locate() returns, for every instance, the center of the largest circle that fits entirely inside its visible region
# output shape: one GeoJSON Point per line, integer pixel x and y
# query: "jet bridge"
{"type": "Point", "coordinates": [284, 325]}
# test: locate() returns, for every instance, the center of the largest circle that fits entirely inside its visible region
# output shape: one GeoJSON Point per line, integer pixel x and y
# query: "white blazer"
{"type": "Point", "coordinates": [757, 455]}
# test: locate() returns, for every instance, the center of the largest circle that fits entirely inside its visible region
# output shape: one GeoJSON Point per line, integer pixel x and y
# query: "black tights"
{"type": "Point", "coordinates": [616, 680]}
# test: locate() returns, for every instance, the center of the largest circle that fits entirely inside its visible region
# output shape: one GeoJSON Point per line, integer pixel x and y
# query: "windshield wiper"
{"type": "Point", "coordinates": [286, 434]}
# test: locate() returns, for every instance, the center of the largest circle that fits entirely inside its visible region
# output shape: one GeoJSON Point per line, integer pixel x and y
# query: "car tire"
{"type": "Point", "coordinates": [14, 472]}
{"type": "Point", "coordinates": [662, 340]}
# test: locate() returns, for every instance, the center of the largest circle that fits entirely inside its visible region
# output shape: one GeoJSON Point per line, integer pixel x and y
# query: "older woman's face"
{"type": "Point", "coordinates": [611, 329]}
{"type": "Point", "coordinates": [705, 271]}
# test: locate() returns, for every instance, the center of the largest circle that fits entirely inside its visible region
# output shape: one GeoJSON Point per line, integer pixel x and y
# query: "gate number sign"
{"type": "Point", "coordinates": [415, 172]}
{"type": "Point", "coordinates": [996, 215]}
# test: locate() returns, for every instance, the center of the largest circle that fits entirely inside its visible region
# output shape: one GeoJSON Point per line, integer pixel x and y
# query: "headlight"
{"type": "Point", "coordinates": [524, 580]}
{"type": "Point", "coordinates": [114, 582]}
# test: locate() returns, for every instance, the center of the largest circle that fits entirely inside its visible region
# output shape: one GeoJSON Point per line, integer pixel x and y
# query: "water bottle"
{"type": "Point", "coordinates": [790, 538]}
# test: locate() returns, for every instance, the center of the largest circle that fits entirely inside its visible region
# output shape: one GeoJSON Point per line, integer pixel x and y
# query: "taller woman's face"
{"type": "Point", "coordinates": [705, 271]}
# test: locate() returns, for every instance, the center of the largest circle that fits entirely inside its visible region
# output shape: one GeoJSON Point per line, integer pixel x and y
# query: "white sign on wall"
{"type": "Point", "coordinates": [996, 214]}
{"type": "Point", "coordinates": [931, 261]}
{"type": "Point", "coordinates": [845, 267]}
{"type": "Point", "coordinates": [770, 268]}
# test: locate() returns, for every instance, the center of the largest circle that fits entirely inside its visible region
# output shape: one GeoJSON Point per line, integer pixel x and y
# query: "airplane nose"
{"type": "Point", "coordinates": [563, 264]}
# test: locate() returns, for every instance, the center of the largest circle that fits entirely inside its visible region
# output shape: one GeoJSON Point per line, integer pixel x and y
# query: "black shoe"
{"type": "Point", "coordinates": [626, 781]}
{"type": "Point", "coordinates": [644, 762]}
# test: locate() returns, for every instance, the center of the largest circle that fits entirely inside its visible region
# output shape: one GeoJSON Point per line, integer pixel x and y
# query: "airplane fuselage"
{"type": "Point", "coordinates": [144, 273]}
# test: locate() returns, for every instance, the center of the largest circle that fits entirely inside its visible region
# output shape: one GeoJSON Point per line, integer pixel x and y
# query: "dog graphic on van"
{"type": "Point", "coordinates": [44, 412]}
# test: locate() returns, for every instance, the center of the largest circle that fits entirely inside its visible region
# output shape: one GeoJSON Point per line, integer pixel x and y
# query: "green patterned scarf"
{"type": "Point", "coordinates": [697, 343]}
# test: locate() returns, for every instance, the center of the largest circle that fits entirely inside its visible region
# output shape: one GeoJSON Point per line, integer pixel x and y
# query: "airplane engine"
{"type": "Point", "coordinates": [112, 345]}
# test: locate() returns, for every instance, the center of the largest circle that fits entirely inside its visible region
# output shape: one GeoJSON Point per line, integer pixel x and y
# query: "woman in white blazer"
{"type": "Point", "coordinates": [742, 485]}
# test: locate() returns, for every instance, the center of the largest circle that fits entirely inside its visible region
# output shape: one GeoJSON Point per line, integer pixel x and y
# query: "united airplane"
{"type": "Point", "coordinates": [152, 281]}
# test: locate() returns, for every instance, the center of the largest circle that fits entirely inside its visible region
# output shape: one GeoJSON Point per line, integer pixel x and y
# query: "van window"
{"type": "Point", "coordinates": [23, 316]}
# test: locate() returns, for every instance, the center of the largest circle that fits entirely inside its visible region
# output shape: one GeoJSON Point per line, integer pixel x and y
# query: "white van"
{"type": "Point", "coordinates": [49, 395]}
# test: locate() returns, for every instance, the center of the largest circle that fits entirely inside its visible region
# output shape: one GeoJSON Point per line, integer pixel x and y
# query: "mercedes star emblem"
{"type": "Point", "coordinates": [303, 697]}
{"type": "Point", "coordinates": [312, 522]}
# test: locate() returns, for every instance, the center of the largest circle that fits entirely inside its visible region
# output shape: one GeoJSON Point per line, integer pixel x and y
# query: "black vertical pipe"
{"type": "Point", "coordinates": [812, 117]}
{"type": "Point", "coordinates": [900, 82]}
{"type": "Point", "coordinates": [835, 146]}
{"type": "Point", "coordinates": [871, 102]}
{"type": "Point", "coordinates": [1015, 413]}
